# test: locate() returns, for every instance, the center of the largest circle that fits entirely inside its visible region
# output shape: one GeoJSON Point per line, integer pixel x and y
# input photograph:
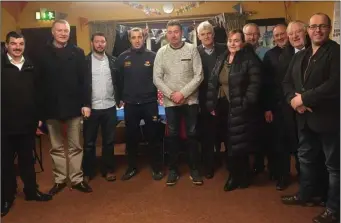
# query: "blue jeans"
{"type": "Point", "coordinates": [174, 115]}
{"type": "Point", "coordinates": [310, 145]}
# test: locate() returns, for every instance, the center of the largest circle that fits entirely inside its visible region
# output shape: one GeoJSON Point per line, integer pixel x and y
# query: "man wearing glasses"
{"type": "Point", "coordinates": [312, 88]}
{"type": "Point", "coordinates": [252, 34]}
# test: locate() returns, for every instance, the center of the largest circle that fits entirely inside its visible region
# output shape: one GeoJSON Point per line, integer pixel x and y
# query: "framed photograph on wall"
{"type": "Point", "coordinates": [265, 28]}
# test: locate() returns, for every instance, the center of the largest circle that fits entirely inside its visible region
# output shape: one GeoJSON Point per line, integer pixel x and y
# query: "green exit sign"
{"type": "Point", "coordinates": [46, 15]}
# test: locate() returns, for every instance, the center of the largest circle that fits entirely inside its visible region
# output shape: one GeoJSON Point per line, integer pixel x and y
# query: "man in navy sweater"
{"type": "Point", "coordinates": [135, 72]}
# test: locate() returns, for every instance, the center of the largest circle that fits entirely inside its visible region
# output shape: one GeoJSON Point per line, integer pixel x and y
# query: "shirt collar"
{"type": "Point", "coordinates": [101, 59]}
{"type": "Point", "coordinates": [208, 50]}
{"type": "Point", "coordinates": [22, 60]}
{"type": "Point", "coordinates": [297, 50]}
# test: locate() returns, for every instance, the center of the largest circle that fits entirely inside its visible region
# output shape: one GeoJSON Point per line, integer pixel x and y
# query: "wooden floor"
{"type": "Point", "coordinates": [143, 200]}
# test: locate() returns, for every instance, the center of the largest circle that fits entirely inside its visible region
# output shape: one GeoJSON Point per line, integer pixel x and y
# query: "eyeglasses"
{"type": "Point", "coordinates": [321, 26]}
{"type": "Point", "coordinates": [251, 34]}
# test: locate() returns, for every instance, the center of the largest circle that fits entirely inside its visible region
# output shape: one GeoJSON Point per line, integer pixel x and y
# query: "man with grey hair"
{"type": "Point", "coordinates": [135, 72]}
{"type": "Point", "coordinates": [207, 124]}
{"type": "Point", "coordinates": [65, 99]}
{"type": "Point", "coordinates": [252, 34]}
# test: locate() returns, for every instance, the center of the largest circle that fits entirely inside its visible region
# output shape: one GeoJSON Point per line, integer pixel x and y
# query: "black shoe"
{"type": "Point", "coordinates": [110, 176]}
{"type": "Point", "coordinates": [82, 187]}
{"type": "Point", "coordinates": [157, 174]}
{"type": "Point", "coordinates": [131, 171]}
{"type": "Point", "coordinates": [231, 184]}
{"type": "Point", "coordinates": [6, 206]}
{"type": "Point", "coordinates": [257, 170]}
{"type": "Point", "coordinates": [173, 177]}
{"type": "Point", "coordinates": [209, 173]}
{"type": "Point", "coordinates": [38, 196]}
{"type": "Point", "coordinates": [295, 200]}
{"type": "Point", "coordinates": [57, 188]}
{"type": "Point", "coordinates": [196, 178]}
{"type": "Point", "coordinates": [282, 183]}
{"type": "Point", "coordinates": [327, 217]}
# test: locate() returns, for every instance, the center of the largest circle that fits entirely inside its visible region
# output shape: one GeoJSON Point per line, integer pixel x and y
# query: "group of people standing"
{"type": "Point", "coordinates": [271, 102]}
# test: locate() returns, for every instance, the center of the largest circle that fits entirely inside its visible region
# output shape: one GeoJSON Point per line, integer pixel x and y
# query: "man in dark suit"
{"type": "Point", "coordinates": [65, 99]}
{"type": "Point", "coordinates": [275, 111]}
{"type": "Point", "coordinates": [312, 88]}
{"type": "Point", "coordinates": [299, 40]}
{"type": "Point", "coordinates": [19, 121]}
{"type": "Point", "coordinates": [209, 52]}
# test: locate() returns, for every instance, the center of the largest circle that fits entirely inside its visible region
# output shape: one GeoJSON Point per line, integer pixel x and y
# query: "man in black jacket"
{"type": "Point", "coordinates": [312, 88]}
{"type": "Point", "coordinates": [275, 111]}
{"type": "Point", "coordinates": [139, 94]}
{"type": "Point", "coordinates": [207, 125]}
{"type": "Point", "coordinates": [66, 97]}
{"type": "Point", "coordinates": [299, 40]}
{"type": "Point", "coordinates": [101, 77]}
{"type": "Point", "coordinates": [20, 117]}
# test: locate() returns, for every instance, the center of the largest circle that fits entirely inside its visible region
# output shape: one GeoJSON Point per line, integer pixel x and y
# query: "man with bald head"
{"type": "Point", "coordinates": [65, 99]}
{"type": "Point", "coordinates": [275, 110]}
{"type": "Point", "coordinates": [312, 88]}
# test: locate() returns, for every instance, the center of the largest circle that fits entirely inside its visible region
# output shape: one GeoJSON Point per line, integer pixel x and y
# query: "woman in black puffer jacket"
{"type": "Point", "coordinates": [233, 96]}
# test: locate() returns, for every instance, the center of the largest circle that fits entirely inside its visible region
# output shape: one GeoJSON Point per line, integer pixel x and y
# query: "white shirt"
{"type": "Point", "coordinates": [297, 50]}
{"type": "Point", "coordinates": [17, 64]}
{"type": "Point", "coordinates": [102, 88]}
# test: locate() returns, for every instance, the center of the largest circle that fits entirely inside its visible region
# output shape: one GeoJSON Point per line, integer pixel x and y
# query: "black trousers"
{"type": "Point", "coordinates": [174, 115]}
{"type": "Point", "coordinates": [106, 119]}
{"type": "Point", "coordinates": [210, 140]}
{"type": "Point", "coordinates": [23, 146]}
{"type": "Point", "coordinates": [285, 139]}
{"type": "Point", "coordinates": [280, 140]}
{"type": "Point", "coordinates": [133, 114]}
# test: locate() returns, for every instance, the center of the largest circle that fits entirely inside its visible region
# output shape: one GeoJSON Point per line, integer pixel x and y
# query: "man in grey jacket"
{"type": "Point", "coordinates": [178, 74]}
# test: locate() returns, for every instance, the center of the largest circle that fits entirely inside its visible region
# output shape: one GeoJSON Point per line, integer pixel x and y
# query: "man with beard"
{"type": "Point", "coordinates": [20, 116]}
{"type": "Point", "coordinates": [65, 99]}
{"type": "Point", "coordinates": [312, 88]}
{"type": "Point", "coordinates": [178, 74]}
{"type": "Point", "coordinates": [101, 77]}
{"type": "Point", "coordinates": [208, 125]}
{"type": "Point", "coordinates": [139, 94]}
